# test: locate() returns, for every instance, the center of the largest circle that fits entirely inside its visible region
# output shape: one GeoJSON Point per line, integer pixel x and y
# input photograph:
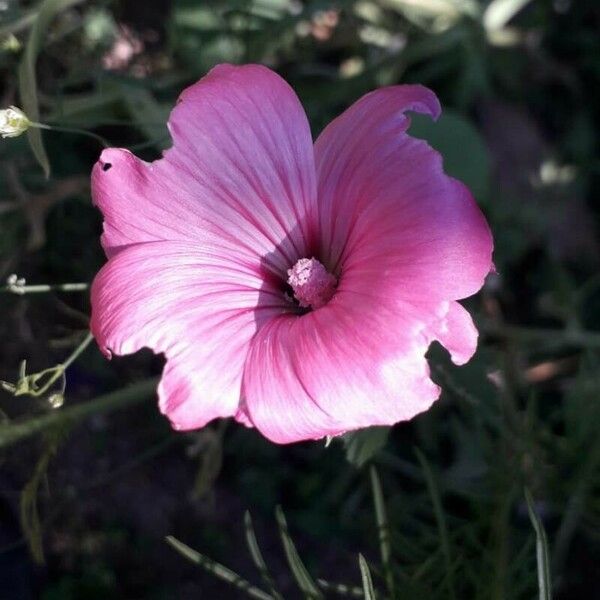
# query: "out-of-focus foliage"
{"type": "Point", "coordinates": [519, 81]}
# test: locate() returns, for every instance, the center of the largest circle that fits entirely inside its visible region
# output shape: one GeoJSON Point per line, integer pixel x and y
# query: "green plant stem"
{"type": "Point", "coordinates": [59, 370]}
{"type": "Point", "coordinates": [44, 288]}
{"type": "Point", "coordinates": [548, 337]}
{"type": "Point", "coordinates": [102, 141]}
{"type": "Point", "coordinates": [383, 531]}
{"type": "Point", "coordinates": [258, 558]}
{"type": "Point", "coordinates": [543, 561]}
{"type": "Point", "coordinates": [129, 396]}
{"type": "Point", "coordinates": [19, 24]}
{"type": "Point", "coordinates": [218, 569]}
{"type": "Point", "coordinates": [441, 522]}
{"type": "Point", "coordinates": [341, 589]}
{"type": "Point", "coordinates": [77, 352]}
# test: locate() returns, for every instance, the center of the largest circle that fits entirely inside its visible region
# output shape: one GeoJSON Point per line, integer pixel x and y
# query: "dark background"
{"type": "Point", "coordinates": [85, 505]}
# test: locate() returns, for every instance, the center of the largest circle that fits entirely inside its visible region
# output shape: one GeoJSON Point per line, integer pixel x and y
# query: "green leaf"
{"type": "Point", "coordinates": [48, 9]}
{"type": "Point", "coordinates": [28, 504]}
{"type": "Point", "coordinates": [299, 571]}
{"type": "Point", "coordinates": [218, 569]}
{"type": "Point", "coordinates": [441, 521]}
{"type": "Point", "coordinates": [383, 531]}
{"type": "Point", "coordinates": [257, 557]}
{"type": "Point", "coordinates": [465, 154]}
{"type": "Point", "coordinates": [542, 555]}
{"type": "Point", "coordinates": [367, 582]}
{"type": "Point", "coordinates": [362, 445]}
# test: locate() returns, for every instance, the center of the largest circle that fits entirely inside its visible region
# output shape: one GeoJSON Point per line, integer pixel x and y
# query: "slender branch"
{"type": "Point", "coordinates": [551, 337]}
{"type": "Point", "coordinates": [383, 531]}
{"type": "Point", "coordinates": [441, 522]}
{"type": "Point", "coordinates": [340, 588]}
{"type": "Point", "coordinates": [77, 352]}
{"type": "Point", "coordinates": [129, 396]}
{"type": "Point", "coordinates": [102, 141]}
{"type": "Point", "coordinates": [217, 569]}
{"type": "Point", "coordinates": [16, 288]}
{"type": "Point", "coordinates": [31, 385]}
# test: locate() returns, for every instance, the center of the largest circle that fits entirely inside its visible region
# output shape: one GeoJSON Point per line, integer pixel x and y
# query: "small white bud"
{"type": "Point", "coordinates": [56, 400]}
{"type": "Point", "coordinates": [13, 122]}
{"type": "Point", "coordinates": [15, 284]}
{"type": "Point", "coordinates": [10, 43]}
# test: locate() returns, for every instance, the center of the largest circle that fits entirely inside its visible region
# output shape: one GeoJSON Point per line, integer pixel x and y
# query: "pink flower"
{"type": "Point", "coordinates": [291, 286]}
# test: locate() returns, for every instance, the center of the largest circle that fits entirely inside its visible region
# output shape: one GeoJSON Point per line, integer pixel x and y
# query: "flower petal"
{"type": "Point", "coordinates": [390, 217]}
{"type": "Point", "coordinates": [240, 173]}
{"type": "Point", "coordinates": [199, 309]}
{"type": "Point", "coordinates": [341, 367]}
{"type": "Point", "coordinates": [458, 334]}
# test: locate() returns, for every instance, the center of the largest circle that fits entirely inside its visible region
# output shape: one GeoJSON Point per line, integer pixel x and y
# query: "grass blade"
{"type": "Point", "coordinates": [441, 521]}
{"type": "Point", "coordinates": [367, 582]}
{"type": "Point", "coordinates": [257, 557]}
{"type": "Point", "coordinates": [383, 531]}
{"type": "Point", "coordinates": [217, 569]}
{"type": "Point", "coordinates": [301, 575]}
{"type": "Point", "coordinates": [542, 555]}
{"type": "Point", "coordinates": [341, 589]}
{"type": "Point", "coordinates": [30, 520]}
{"type": "Point", "coordinates": [48, 9]}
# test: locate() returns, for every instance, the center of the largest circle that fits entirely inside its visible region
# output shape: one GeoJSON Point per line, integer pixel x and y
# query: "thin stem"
{"type": "Point", "coordinates": [15, 432]}
{"type": "Point", "coordinates": [76, 353]}
{"type": "Point", "coordinates": [554, 337]}
{"type": "Point", "coordinates": [59, 370]}
{"type": "Point", "coordinates": [340, 588]}
{"type": "Point", "coordinates": [102, 141]}
{"type": "Point", "coordinates": [441, 522]}
{"type": "Point", "coordinates": [217, 569]}
{"type": "Point", "coordinates": [383, 531]}
{"type": "Point", "coordinates": [28, 384]}
{"type": "Point", "coordinates": [43, 288]}
{"type": "Point", "coordinates": [108, 123]}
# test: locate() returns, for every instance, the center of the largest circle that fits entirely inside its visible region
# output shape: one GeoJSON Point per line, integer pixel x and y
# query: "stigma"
{"type": "Point", "coordinates": [313, 285]}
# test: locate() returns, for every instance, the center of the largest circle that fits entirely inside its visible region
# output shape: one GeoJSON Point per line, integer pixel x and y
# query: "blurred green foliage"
{"type": "Point", "coordinates": [519, 81]}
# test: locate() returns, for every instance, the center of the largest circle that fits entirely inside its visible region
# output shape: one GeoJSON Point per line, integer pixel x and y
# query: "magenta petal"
{"type": "Point", "coordinates": [336, 369]}
{"type": "Point", "coordinates": [202, 242]}
{"type": "Point", "coordinates": [240, 173]}
{"type": "Point", "coordinates": [199, 309]}
{"type": "Point", "coordinates": [390, 216]}
{"type": "Point", "coordinates": [458, 334]}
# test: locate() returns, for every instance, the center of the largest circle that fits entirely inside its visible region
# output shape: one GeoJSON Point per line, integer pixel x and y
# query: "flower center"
{"type": "Point", "coordinates": [313, 285]}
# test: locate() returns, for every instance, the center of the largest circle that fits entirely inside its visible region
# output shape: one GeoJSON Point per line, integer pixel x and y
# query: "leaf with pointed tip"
{"type": "Point", "coordinates": [367, 582]}
{"type": "Point", "coordinates": [48, 9]}
{"type": "Point", "coordinates": [258, 559]}
{"type": "Point", "coordinates": [299, 571]}
{"type": "Point", "coordinates": [542, 555]}
{"type": "Point", "coordinates": [217, 569]}
{"type": "Point", "coordinates": [383, 531]}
